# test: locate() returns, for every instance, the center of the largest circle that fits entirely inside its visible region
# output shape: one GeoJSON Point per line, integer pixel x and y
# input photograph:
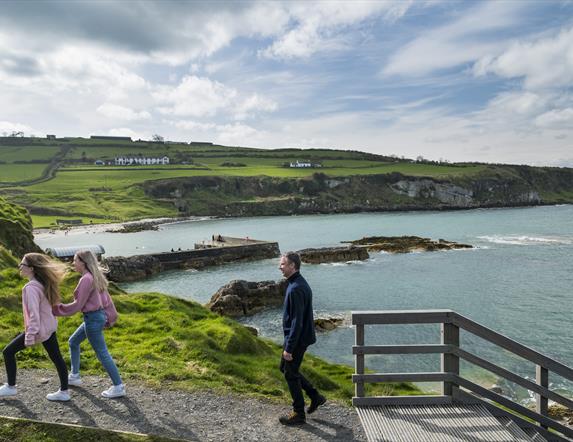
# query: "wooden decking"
{"type": "Point", "coordinates": [440, 423]}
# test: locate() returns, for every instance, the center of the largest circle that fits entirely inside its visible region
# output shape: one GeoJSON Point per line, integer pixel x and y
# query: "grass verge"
{"type": "Point", "coordinates": [24, 430]}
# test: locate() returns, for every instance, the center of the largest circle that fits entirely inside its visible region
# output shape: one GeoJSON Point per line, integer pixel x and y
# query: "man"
{"type": "Point", "coordinates": [298, 327]}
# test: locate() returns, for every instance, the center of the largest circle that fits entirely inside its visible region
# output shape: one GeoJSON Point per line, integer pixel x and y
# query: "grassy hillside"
{"type": "Point", "coordinates": [16, 229]}
{"type": "Point", "coordinates": [60, 179]}
{"type": "Point", "coordinates": [79, 189]}
{"type": "Point", "coordinates": [167, 341]}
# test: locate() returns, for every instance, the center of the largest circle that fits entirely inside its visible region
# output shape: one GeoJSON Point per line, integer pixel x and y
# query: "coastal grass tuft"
{"type": "Point", "coordinates": [32, 431]}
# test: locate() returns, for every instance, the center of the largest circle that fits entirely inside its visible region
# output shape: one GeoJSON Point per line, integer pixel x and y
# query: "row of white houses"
{"type": "Point", "coordinates": [141, 161]}
{"type": "Point", "coordinates": [304, 163]}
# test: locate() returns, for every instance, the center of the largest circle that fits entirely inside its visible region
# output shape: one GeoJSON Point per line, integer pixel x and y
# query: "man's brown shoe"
{"type": "Point", "coordinates": [293, 418]}
{"type": "Point", "coordinates": [315, 403]}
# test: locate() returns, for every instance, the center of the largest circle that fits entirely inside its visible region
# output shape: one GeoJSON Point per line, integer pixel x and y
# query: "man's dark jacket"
{"type": "Point", "coordinates": [298, 321]}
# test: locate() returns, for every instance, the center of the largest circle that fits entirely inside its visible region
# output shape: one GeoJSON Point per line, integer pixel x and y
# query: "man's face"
{"type": "Point", "coordinates": [286, 267]}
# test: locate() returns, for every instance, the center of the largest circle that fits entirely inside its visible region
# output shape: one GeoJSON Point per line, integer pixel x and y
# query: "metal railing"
{"type": "Point", "coordinates": [453, 385]}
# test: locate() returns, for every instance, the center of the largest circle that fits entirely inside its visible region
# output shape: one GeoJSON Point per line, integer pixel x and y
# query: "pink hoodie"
{"type": "Point", "coordinates": [88, 299]}
{"type": "Point", "coordinates": [39, 321]}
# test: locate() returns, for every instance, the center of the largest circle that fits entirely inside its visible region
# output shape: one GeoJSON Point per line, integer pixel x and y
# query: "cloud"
{"type": "Point", "coordinates": [542, 63]}
{"type": "Point", "coordinates": [127, 132]}
{"type": "Point", "coordinates": [202, 97]}
{"type": "Point", "coordinates": [194, 97]}
{"type": "Point", "coordinates": [318, 26]}
{"type": "Point", "coordinates": [556, 119]}
{"type": "Point", "coordinates": [464, 40]}
{"type": "Point", "coordinates": [7, 127]}
{"type": "Point", "coordinates": [237, 135]}
{"type": "Point", "coordinates": [118, 112]}
{"type": "Point", "coordinates": [163, 31]}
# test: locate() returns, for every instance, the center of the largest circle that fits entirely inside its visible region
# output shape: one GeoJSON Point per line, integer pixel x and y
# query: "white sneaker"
{"type": "Point", "coordinates": [6, 390]}
{"type": "Point", "coordinates": [114, 391]}
{"type": "Point", "coordinates": [74, 380]}
{"type": "Point", "coordinates": [60, 395]}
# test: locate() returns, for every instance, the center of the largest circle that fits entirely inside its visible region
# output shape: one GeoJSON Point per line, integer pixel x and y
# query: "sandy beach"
{"type": "Point", "coordinates": [98, 228]}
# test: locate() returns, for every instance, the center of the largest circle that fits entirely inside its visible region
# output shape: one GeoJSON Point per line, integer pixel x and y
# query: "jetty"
{"type": "Point", "coordinates": [216, 251]}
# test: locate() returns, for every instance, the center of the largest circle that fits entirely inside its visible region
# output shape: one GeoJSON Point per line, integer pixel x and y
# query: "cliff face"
{"type": "Point", "coordinates": [497, 186]}
{"type": "Point", "coordinates": [16, 229]}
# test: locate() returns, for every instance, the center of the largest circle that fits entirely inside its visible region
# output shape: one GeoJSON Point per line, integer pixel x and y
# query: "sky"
{"type": "Point", "coordinates": [488, 81]}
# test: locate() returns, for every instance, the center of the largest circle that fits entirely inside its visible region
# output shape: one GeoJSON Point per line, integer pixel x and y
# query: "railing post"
{"type": "Point", "coordinates": [542, 378]}
{"type": "Point", "coordinates": [450, 363]}
{"type": "Point", "coordinates": [359, 362]}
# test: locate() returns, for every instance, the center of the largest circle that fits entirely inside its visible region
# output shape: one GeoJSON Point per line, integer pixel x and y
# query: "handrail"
{"type": "Point", "coordinates": [451, 322]}
{"type": "Point", "coordinates": [515, 347]}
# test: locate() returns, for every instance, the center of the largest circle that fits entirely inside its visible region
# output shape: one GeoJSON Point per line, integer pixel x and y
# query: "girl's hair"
{"type": "Point", "coordinates": [92, 266]}
{"type": "Point", "coordinates": [48, 272]}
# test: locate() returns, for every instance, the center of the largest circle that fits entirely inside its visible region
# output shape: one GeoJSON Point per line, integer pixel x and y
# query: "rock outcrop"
{"type": "Point", "coordinates": [327, 324]}
{"type": "Point", "coordinates": [333, 254]}
{"type": "Point", "coordinates": [465, 186]}
{"type": "Point", "coordinates": [16, 229]}
{"type": "Point", "coordinates": [135, 227]}
{"type": "Point", "coordinates": [242, 298]}
{"type": "Point", "coordinates": [406, 244]}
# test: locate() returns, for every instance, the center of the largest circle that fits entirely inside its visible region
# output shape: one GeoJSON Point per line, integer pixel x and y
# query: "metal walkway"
{"type": "Point", "coordinates": [440, 423]}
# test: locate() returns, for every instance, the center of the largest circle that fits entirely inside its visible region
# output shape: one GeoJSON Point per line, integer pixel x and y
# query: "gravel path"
{"type": "Point", "coordinates": [173, 413]}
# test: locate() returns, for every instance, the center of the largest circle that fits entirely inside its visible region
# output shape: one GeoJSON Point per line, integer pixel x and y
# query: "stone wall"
{"type": "Point", "coordinates": [133, 268]}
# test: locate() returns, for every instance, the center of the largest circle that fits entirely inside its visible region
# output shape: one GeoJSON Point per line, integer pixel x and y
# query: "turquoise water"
{"type": "Point", "coordinates": [518, 280]}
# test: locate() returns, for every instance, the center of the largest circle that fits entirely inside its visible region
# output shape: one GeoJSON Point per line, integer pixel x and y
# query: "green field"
{"type": "Point", "coordinates": [9, 154]}
{"type": "Point", "coordinates": [11, 173]}
{"type": "Point", "coordinates": [79, 189]}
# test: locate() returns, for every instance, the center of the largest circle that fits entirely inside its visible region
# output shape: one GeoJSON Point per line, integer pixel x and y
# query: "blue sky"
{"type": "Point", "coordinates": [455, 80]}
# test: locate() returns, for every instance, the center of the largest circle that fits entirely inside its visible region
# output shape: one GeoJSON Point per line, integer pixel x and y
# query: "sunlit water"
{"type": "Point", "coordinates": [518, 280]}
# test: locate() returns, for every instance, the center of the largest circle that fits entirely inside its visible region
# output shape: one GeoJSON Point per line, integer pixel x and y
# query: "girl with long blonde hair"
{"type": "Point", "coordinates": [38, 296]}
{"type": "Point", "coordinates": [92, 298]}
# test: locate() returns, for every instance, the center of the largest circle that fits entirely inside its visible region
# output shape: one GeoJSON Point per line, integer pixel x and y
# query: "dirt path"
{"type": "Point", "coordinates": [193, 416]}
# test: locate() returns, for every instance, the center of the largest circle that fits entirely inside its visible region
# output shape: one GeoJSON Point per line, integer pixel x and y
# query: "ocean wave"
{"type": "Point", "coordinates": [525, 240]}
{"type": "Point", "coordinates": [346, 263]}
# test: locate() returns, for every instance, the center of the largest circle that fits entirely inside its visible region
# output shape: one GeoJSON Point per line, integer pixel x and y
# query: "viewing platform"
{"type": "Point", "coordinates": [463, 410]}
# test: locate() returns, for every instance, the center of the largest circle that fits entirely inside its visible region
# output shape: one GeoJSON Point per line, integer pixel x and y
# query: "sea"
{"type": "Point", "coordinates": [517, 280]}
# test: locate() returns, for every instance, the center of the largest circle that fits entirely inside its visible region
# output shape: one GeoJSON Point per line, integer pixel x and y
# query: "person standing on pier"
{"type": "Point", "coordinates": [299, 333]}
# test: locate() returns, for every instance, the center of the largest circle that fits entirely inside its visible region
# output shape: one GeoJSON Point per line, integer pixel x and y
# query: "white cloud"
{"type": "Point", "coordinates": [194, 97]}
{"type": "Point", "coordinates": [464, 40]}
{"type": "Point", "coordinates": [556, 119]}
{"type": "Point", "coordinates": [543, 63]}
{"type": "Point", "coordinates": [127, 132]}
{"type": "Point", "coordinates": [202, 97]}
{"type": "Point", "coordinates": [192, 125]}
{"type": "Point", "coordinates": [518, 102]}
{"type": "Point", "coordinates": [253, 103]}
{"type": "Point", "coordinates": [7, 127]}
{"type": "Point", "coordinates": [118, 112]}
{"type": "Point", "coordinates": [237, 135]}
{"type": "Point", "coordinates": [319, 25]}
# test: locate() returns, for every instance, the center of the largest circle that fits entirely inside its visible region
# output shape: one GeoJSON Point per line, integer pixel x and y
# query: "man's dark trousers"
{"type": "Point", "coordinates": [296, 381]}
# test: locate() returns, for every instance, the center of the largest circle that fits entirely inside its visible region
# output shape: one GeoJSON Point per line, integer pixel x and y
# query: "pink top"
{"type": "Point", "coordinates": [88, 299]}
{"type": "Point", "coordinates": [39, 321]}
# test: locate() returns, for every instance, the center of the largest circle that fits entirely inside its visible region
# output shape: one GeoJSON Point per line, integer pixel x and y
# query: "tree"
{"type": "Point", "coordinates": [157, 138]}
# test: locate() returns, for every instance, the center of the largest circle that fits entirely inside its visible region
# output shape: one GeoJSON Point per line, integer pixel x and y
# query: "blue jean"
{"type": "Point", "coordinates": [92, 329]}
